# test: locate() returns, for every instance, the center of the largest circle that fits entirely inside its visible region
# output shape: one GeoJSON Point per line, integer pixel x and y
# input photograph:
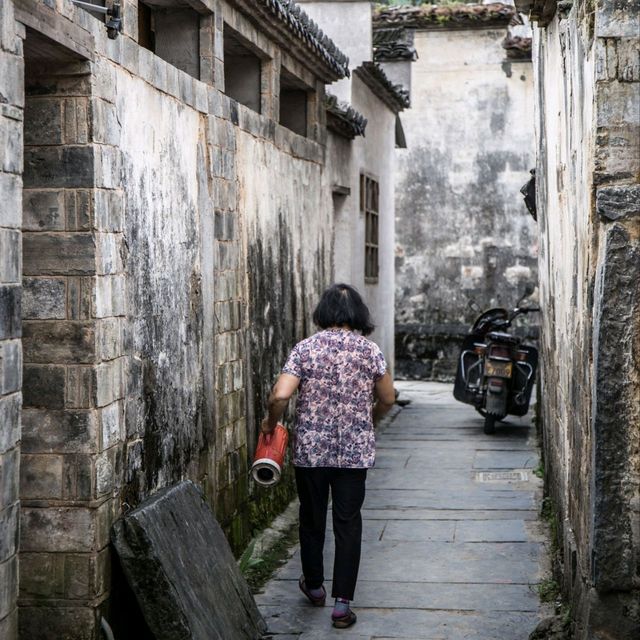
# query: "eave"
{"type": "Point", "coordinates": [393, 95]}
{"type": "Point", "coordinates": [540, 11]}
{"type": "Point", "coordinates": [343, 119]}
{"type": "Point", "coordinates": [290, 27]}
{"type": "Point", "coordinates": [445, 17]}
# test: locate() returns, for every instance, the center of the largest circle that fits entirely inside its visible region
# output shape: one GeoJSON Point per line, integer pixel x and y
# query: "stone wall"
{"type": "Point", "coordinates": [588, 131]}
{"type": "Point", "coordinates": [175, 243]}
{"type": "Point", "coordinates": [464, 240]}
{"type": "Point", "coordinates": [11, 113]}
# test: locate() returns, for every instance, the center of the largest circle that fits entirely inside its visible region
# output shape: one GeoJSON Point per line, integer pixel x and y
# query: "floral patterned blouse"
{"type": "Point", "coordinates": [334, 425]}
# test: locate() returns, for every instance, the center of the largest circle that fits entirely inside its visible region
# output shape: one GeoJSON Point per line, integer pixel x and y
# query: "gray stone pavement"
{"type": "Point", "coordinates": [452, 544]}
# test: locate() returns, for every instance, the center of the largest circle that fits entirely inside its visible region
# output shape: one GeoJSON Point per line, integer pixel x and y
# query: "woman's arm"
{"type": "Point", "coordinates": [386, 396]}
{"type": "Point", "coordinates": [283, 389]}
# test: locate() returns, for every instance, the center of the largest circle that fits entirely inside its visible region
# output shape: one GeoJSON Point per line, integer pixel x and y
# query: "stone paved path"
{"type": "Point", "coordinates": [452, 544]}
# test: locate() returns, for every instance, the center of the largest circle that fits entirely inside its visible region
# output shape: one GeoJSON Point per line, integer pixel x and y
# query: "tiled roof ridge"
{"type": "Point", "coordinates": [394, 43]}
{"type": "Point", "coordinates": [517, 47]}
{"type": "Point", "coordinates": [350, 122]}
{"type": "Point", "coordinates": [304, 28]}
{"type": "Point", "coordinates": [394, 95]}
{"type": "Point", "coordinates": [443, 15]}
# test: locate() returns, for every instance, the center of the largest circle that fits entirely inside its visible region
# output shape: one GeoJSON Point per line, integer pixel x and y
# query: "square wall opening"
{"type": "Point", "coordinates": [242, 70]}
{"type": "Point", "coordinates": [294, 102]}
{"type": "Point", "coordinates": [172, 33]}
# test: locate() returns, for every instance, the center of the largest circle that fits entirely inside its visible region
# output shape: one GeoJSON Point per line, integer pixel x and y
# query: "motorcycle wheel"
{"type": "Point", "coordinates": [490, 424]}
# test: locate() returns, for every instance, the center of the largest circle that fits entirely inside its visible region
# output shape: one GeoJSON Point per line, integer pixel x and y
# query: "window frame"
{"type": "Point", "coordinates": [370, 208]}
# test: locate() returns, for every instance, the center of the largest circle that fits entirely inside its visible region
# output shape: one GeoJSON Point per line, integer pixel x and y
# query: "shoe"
{"type": "Point", "coordinates": [344, 621]}
{"type": "Point", "coordinates": [316, 602]}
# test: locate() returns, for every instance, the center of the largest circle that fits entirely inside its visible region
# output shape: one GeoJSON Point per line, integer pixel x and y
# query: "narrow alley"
{"type": "Point", "coordinates": [452, 544]}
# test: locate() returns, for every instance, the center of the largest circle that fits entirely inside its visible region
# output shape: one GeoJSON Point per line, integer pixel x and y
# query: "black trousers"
{"type": "Point", "coordinates": [347, 495]}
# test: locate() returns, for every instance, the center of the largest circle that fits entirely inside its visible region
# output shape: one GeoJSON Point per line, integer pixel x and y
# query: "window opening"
{"type": "Point", "coordinates": [172, 33]}
{"type": "Point", "coordinates": [369, 205]}
{"type": "Point", "coordinates": [242, 70]}
{"type": "Point", "coordinates": [294, 99]}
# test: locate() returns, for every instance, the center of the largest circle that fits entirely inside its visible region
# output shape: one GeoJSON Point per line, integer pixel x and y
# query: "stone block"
{"type": "Point", "coordinates": [80, 296]}
{"type": "Point", "coordinates": [108, 253]}
{"type": "Point", "coordinates": [9, 531]}
{"type": "Point", "coordinates": [79, 387]}
{"type": "Point", "coordinates": [69, 167]}
{"type": "Point", "coordinates": [59, 254]}
{"type": "Point", "coordinates": [617, 19]}
{"type": "Point", "coordinates": [12, 74]}
{"type": "Point", "coordinates": [618, 104]}
{"type": "Point", "coordinates": [43, 121]}
{"type": "Point", "coordinates": [110, 296]}
{"type": "Point", "coordinates": [173, 84]}
{"type": "Point", "coordinates": [78, 205]}
{"type": "Point", "coordinates": [41, 477]}
{"type": "Point", "coordinates": [9, 626]}
{"type": "Point", "coordinates": [628, 60]}
{"type": "Point", "coordinates": [57, 529]}
{"type": "Point", "coordinates": [105, 472]}
{"type": "Point", "coordinates": [105, 128]}
{"type": "Point", "coordinates": [109, 210]}
{"type": "Point", "coordinates": [44, 623]}
{"type": "Point", "coordinates": [9, 476]}
{"type": "Point", "coordinates": [104, 79]}
{"type": "Point", "coordinates": [43, 210]}
{"type": "Point", "coordinates": [111, 425]}
{"type": "Point", "coordinates": [10, 420]}
{"type": "Point", "coordinates": [179, 564]}
{"type": "Point", "coordinates": [8, 586]}
{"type": "Point", "coordinates": [130, 54]}
{"type": "Point", "coordinates": [11, 210]}
{"type": "Point", "coordinates": [44, 386]}
{"type": "Point", "coordinates": [617, 153]}
{"type": "Point", "coordinates": [10, 324]}
{"type": "Point", "coordinates": [10, 254]}
{"type": "Point", "coordinates": [10, 366]}
{"type": "Point", "coordinates": [110, 382]}
{"type": "Point", "coordinates": [77, 477]}
{"type": "Point", "coordinates": [620, 202]}
{"type": "Point", "coordinates": [48, 431]}
{"type": "Point", "coordinates": [11, 149]}
{"type": "Point", "coordinates": [44, 298]}
{"type": "Point", "coordinates": [109, 338]}
{"type": "Point", "coordinates": [58, 342]}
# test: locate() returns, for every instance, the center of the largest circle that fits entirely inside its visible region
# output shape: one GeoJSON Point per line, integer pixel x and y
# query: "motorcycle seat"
{"type": "Point", "coordinates": [498, 336]}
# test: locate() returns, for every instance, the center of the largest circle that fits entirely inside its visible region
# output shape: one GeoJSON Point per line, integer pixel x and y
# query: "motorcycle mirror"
{"type": "Point", "coordinates": [473, 305]}
{"type": "Point", "coordinates": [528, 290]}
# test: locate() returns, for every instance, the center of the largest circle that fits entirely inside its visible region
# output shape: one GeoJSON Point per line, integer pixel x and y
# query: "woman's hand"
{"type": "Point", "coordinates": [266, 428]}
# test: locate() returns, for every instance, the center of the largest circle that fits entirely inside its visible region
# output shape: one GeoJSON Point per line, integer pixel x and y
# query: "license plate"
{"type": "Point", "coordinates": [498, 369]}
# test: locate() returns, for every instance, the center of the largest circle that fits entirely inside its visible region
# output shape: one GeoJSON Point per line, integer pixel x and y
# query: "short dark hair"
{"type": "Point", "coordinates": [341, 305]}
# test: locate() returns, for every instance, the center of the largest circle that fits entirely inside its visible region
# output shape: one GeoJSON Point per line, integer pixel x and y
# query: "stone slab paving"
{"type": "Point", "coordinates": [452, 544]}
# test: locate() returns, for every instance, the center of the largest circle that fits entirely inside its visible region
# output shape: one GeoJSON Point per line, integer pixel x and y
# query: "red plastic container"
{"type": "Point", "coordinates": [269, 457]}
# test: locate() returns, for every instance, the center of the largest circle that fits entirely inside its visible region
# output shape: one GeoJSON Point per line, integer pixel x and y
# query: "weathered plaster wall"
{"type": "Point", "coordinates": [162, 282]}
{"type": "Point", "coordinates": [287, 235]}
{"type": "Point", "coordinates": [348, 24]}
{"type": "Point", "coordinates": [588, 130]}
{"type": "Point", "coordinates": [11, 113]}
{"type": "Point", "coordinates": [462, 231]}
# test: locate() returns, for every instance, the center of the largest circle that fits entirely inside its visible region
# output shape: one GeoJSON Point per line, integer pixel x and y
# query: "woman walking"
{"type": "Point", "coordinates": [339, 374]}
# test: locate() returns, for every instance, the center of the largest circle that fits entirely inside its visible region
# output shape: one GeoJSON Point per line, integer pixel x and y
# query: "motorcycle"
{"type": "Point", "coordinates": [496, 371]}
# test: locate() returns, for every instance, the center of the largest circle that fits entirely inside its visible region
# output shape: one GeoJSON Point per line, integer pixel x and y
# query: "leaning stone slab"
{"type": "Point", "coordinates": [179, 565]}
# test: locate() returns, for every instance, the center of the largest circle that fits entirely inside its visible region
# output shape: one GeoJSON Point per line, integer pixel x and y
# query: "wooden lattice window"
{"type": "Point", "coordinates": [369, 192]}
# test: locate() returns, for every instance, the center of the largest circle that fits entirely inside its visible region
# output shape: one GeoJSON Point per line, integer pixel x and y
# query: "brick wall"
{"type": "Point", "coordinates": [11, 112]}
{"type": "Point", "coordinates": [73, 305]}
